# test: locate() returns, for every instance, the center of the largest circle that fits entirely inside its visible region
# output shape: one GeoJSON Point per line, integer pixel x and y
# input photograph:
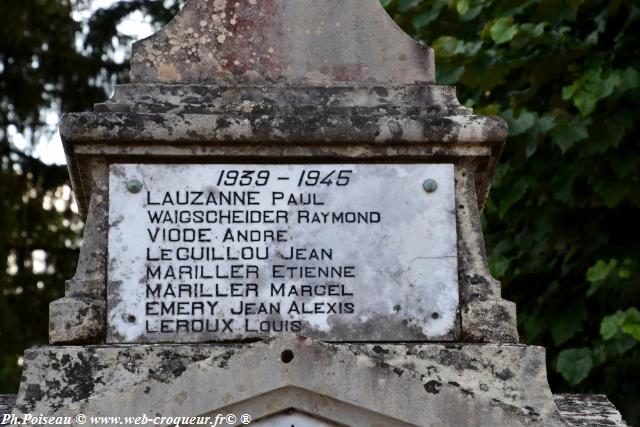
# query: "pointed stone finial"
{"type": "Point", "coordinates": [282, 41]}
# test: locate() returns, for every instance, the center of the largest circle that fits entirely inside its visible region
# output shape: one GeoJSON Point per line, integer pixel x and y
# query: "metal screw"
{"type": "Point", "coordinates": [134, 186]}
{"type": "Point", "coordinates": [430, 185]}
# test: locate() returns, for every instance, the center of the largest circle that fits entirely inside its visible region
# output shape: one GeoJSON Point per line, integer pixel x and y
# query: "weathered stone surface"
{"type": "Point", "coordinates": [205, 124]}
{"type": "Point", "coordinates": [291, 41]}
{"type": "Point", "coordinates": [391, 243]}
{"type": "Point", "coordinates": [476, 284]}
{"type": "Point", "coordinates": [80, 316]}
{"type": "Point", "coordinates": [308, 128]}
{"type": "Point", "coordinates": [357, 385]}
{"type": "Point", "coordinates": [489, 321]}
{"type": "Point", "coordinates": [484, 315]}
{"type": "Point", "coordinates": [346, 135]}
{"type": "Point", "coordinates": [293, 419]}
{"type": "Point", "coordinates": [7, 401]}
{"type": "Point", "coordinates": [474, 164]}
{"type": "Point", "coordinates": [588, 410]}
{"type": "Point", "coordinates": [77, 320]}
{"type": "Point", "coordinates": [243, 82]}
{"type": "Point", "coordinates": [363, 98]}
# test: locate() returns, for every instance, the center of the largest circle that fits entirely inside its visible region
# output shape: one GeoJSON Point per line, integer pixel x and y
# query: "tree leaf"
{"type": "Point", "coordinates": [574, 364]}
{"type": "Point", "coordinates": [596, 84]}
{"type": "Point", "coordinates": [422, 19]}
{"type": "Point", "coordinates": [406, 5]}
{"type": "Point", "coordinates": [601, 270]}
{"type": "Point", "coordinates": [629, 79]}
{"type": "Point", "coordinates": [610, 325]}
{"type": "Point", "coordinates": [631, 323]}
{"type": "Point", "coordinates": [512, 195]}
{"type": "Point", "coordinates": [518, 125]}
{"type": "Point", "coordinates": [620, 344]}
{"type": "Point", "coordinates": [462, 6]}
{"type": "Point", "coordinates": [627, 322]}
{"type": "Point", "coordinates": [632, 329]}
{"type": "Point", "coordinates": [569, 131]}
{"type": "Point", "coordinates": [445, 75]}
{"type": "Point", "coordinates": [503, 30]}
{"type": "Point", "coordinates": [445, 46]}
{"type": "Point", "coordinates": [568, 324]}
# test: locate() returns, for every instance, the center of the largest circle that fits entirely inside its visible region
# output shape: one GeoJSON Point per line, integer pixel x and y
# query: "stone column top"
{"type": "Point", "coordinates": [282, 41]}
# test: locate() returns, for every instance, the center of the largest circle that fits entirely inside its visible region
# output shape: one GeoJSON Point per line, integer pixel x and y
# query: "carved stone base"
{"type": "Point", "coordinates": [577, 410]}
{"type": "Point", "coordinates": [76, 320]}
{"type": "Point", "coordinates": [588, 410]}
{"type": "Point", "coordinates": [354, 385]}
{"type": "Point", "coordinates": [7, 401]}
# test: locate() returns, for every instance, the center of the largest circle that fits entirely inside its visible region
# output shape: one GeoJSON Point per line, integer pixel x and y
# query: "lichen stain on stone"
{"type": "Point", "coordinates": [173, 364]}
{"type": "Point", "coordinates": [76, 382]}
{"type": "Point", "coordinates": [505, 374]}
{"type": "Point", "coordinates": [378, 349]}
{"type": "Point", "coordinates": [457, 360]}
{"type": "Point", "coordinates": [168, 73]}
{"type": "Point", "coordinates": [131, 361]}
{"type": "Point", "coordinates": [222, 360]}
{"type": "Point", "coordinates": [33, 394]}
{"type": "Point", "coordinates": [279, 40]}
{"type": "Point", "coordinates": [213, 38]}
{"type": "Point", "coordinates": [433, 387]}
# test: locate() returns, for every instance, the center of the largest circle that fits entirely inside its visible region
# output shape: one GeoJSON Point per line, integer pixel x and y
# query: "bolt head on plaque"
{"type": "Point", "coordinates": [430, 185]}
{"type": "Point", "coordinates": [134, 186]}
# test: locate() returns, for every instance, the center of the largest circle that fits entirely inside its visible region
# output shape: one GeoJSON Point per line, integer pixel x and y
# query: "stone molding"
{"type": "Point", "coordinates": [331, 122]}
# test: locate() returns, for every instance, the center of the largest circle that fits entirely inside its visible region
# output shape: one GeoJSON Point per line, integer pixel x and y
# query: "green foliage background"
{"type": "Point", "coordinates": [561, 224]}
{"type": "Point", "coordinates": [50, 60]}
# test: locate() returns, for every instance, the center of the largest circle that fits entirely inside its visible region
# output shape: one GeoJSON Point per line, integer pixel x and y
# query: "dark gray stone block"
{"type": "Point", "coordinates": [588, 410]}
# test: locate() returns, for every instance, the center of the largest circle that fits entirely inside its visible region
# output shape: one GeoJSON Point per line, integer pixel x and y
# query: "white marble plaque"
{"type": "Point", "coordinates": [343, 252]}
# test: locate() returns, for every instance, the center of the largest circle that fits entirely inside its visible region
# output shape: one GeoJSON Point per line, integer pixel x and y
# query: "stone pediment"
{"type": "Point", "coordinates": [282, 41]}
{"type": "Point", "coordinates": [293, 418]}
{"type": "Point", "coordinates": [299, 407]}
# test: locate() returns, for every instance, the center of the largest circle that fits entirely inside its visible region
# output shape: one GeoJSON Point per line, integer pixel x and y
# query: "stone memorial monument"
{"type": "Point", "coordinates": [283, 221]}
